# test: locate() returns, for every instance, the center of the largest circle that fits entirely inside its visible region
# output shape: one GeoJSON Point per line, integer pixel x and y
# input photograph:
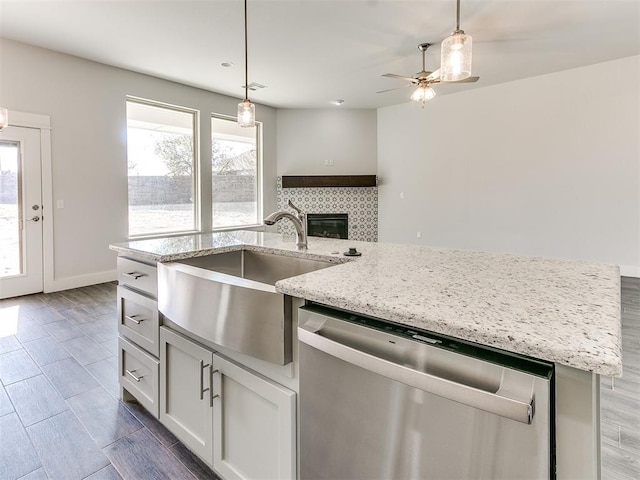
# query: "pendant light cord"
{"type": "Point", "coordinates": [457, 16]}
{"type": "Point", "coordinates": [246, 56]}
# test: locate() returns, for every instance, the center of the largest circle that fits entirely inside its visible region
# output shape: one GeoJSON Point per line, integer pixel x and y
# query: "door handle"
{"type": "Point", "coordinates": [212, 372]}
{"type": "Point", "coordinates": [35, 218]}
{"type": "Point", "coordinates": [202, 389]}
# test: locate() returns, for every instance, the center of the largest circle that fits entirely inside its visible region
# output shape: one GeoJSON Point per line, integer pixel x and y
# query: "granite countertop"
{"type": "Point", "coordinates": [556, 310]}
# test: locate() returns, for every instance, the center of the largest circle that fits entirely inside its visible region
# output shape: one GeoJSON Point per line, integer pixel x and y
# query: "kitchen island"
{"type": "Point", "coordinates": [563, 312]}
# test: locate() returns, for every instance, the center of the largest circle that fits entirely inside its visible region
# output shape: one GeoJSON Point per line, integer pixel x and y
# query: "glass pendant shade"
{"type": "Point", "coordinates": [455, 61]}
{"type": "Point", "coordinates": [4, 118]}
{"type": "Point", "coordinates": [246, 114]}
{"type": "Point", "coordinates": [423, 93]}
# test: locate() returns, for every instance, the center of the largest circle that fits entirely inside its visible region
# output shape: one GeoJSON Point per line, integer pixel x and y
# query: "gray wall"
{"type": "Point", "coordinates": [86, 103]}
{"type": "Point", "coordinates": [546, 166]}
{"type": "Point", "coordinates": [307, 138]}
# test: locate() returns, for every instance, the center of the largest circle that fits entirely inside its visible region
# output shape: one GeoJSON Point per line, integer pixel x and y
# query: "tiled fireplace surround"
{"type": "Point", "coordinates": [360, 203]}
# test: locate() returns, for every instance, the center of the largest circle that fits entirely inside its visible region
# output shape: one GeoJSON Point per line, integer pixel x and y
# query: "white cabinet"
{"type": "Point", "coordinates": [240, 422]}
{"type": "Point", "coordinates": [185, 400]}
{"type": "Point", "coordinates": [254, 433]}
{"type": "Point", "coordinates": [138, 375]}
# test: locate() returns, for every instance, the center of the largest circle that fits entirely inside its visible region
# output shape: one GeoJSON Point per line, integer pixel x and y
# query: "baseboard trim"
{"type": "Point", "coordinates": [68, 283]}
{"type": "Point", "coordinates": [629, 271]}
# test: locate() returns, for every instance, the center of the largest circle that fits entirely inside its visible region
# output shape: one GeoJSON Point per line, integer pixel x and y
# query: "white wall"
{"type": "Point", "coordinates": [545, 166]}
{"type": "Point", "coordinates": [308, 137]}
{"type": "Point", "coordinates": [86, 102]}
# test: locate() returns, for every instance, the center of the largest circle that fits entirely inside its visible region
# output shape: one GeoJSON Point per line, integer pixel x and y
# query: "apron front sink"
{"type": "Point", "coordinates": [230, 299]}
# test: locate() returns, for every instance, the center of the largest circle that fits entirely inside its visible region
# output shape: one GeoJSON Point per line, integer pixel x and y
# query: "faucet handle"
{"type": "Point", "coordinates": [300, 212]}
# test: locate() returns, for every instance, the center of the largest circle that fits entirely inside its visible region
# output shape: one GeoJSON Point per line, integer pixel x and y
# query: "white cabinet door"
{"type": "Point", "coordinates": [185, 392]}
{"type": "Point", "coordinates": [254, 425]}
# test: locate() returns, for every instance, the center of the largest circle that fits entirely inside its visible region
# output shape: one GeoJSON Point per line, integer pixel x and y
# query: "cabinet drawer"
{"type": "Point", "coordinates": [138, 374]}
{"type": "Point", "coordinates": [138, 275]}
{"type": "Point", "coordinates": [138, 319]}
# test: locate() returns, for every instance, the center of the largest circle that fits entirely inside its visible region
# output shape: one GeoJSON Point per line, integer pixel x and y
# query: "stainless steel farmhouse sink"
{"type": "Point", "coordinates": [230, 299]}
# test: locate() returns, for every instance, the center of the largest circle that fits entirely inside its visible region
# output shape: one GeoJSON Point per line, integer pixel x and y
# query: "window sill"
{"type": "Point", "coordinates": [256, 227]}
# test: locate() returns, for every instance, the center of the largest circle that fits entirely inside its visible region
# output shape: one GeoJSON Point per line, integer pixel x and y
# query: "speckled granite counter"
{"type": "Point", "coordinates": [560, 311]}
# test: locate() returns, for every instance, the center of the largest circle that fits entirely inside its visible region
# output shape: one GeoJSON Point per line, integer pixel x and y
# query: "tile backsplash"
{"type": "Point", "coordinates": [360, 203]}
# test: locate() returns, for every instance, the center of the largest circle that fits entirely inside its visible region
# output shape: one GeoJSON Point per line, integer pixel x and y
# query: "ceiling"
{"type": "Point", "coordinates": [309, 52]}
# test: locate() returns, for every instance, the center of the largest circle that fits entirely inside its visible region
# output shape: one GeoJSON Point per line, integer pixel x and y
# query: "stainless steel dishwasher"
{"type": "Point", "coordinates": [383, 401]}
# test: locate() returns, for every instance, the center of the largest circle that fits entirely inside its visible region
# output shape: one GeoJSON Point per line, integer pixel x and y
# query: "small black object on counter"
{"type": "Point", "coordinates": [352, 252]}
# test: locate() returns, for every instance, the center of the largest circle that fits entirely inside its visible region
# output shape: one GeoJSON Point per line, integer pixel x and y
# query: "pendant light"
{"type": "Point", "coordinates": [4, 118]}
{"type": "Point", "coordinates": [246, 109]}
{"type": "Point", "coordinates": [455, 59]}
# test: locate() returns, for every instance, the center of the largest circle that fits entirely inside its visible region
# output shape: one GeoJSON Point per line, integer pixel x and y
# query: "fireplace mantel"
{"type": "Point", "coordinates": [314, 181]}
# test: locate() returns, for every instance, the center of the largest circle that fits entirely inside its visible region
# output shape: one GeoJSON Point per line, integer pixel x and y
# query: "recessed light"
{"type": "Point", "coordinates": [337, 102]}
{"type": "Point", "coordinates": [227, 64]}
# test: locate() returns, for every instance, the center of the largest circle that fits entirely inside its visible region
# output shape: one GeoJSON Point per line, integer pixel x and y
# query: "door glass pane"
{"type": "Point", "coordinates": [160, 160]}
{"type": "Point", "coordinates": [235, 169]}
{"type": "Point", "coordinates": [10, 235]}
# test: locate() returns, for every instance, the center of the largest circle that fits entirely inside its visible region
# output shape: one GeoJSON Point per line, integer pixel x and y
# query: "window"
{"type": "Point", "coordinates": [235, 168]}
{"type": "Point", "coordinates": [162, 165]}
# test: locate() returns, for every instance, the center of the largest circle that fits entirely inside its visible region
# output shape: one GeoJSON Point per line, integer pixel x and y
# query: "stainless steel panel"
{"type": "Point", "coordinates": [485, 386]}
{"type": "Point", "coordinates": [230, 299]}
{"type": "Point", "coordinates": [359, 424]}
{"type": "Point", "coordinates": [250, 321]}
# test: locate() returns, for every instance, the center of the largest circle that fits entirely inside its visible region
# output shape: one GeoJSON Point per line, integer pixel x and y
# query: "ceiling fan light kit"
{"type": "Point", "coordinates": [423, 94]}
{"type": "Point", "coordinates": [246, 109]}
{"type": "Point", "coordinates": [456, 53]}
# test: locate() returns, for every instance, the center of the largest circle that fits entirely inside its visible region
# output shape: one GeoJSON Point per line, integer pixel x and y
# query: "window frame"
{"type": "Point", "coordinates": [195, 180]}
{"type": "Point", "coordinates": [259, 175]}
{"type": "Point", "coordinates": [200, 182]}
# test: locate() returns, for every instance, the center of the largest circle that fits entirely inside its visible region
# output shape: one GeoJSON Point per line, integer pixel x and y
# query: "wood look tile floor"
{"type": "Point", "coordinates": [60, 416]}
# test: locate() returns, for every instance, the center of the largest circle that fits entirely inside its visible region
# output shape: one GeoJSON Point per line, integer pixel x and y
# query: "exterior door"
{"type": "Point", "coordinates": [20, 212]}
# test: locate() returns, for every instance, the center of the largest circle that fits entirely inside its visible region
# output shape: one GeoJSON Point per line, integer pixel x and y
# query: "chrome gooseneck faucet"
{"type": "Point", "coordinates": [299, 221]}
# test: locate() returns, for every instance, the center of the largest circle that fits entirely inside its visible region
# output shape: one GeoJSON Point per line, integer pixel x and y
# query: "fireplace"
{"type": "Point", "coordinates": [330, 225]}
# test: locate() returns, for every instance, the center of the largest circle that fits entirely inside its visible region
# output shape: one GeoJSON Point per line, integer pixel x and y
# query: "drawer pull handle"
{"type": "Point", "coordinates": [134, 319]}
{"type": "Point", "coordinates": [134, 275]}
{"type": "Point", "coordinates": [133, 375]}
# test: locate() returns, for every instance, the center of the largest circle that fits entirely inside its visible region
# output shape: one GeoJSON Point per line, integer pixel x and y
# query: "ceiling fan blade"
{"type": "Point", "coordinates": [466, 80]}
{"type": "Point", "coordinates": [397, 88]}
{"type": "Point", "coordinates": [408, 79]}
{"type": "Point", "coordinates": [435, 75]}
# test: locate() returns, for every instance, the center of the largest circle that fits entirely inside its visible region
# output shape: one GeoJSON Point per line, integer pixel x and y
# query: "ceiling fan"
{"type": "Point", "coordinates": [424, 79]}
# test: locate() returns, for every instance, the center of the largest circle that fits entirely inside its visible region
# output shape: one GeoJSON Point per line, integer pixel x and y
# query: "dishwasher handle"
{"type": "Point", "coordinates": [458, 392]}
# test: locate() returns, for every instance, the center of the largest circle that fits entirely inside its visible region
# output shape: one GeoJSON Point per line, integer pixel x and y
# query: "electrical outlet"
{"type": "Point", "coordinates": [326, 163]}
{"type": "Point", "coordinates": [418, 234]}
{"type": "Point", "coordinates": [401, 194]}
{"type": "Point", "coordinates": [331, 162]}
